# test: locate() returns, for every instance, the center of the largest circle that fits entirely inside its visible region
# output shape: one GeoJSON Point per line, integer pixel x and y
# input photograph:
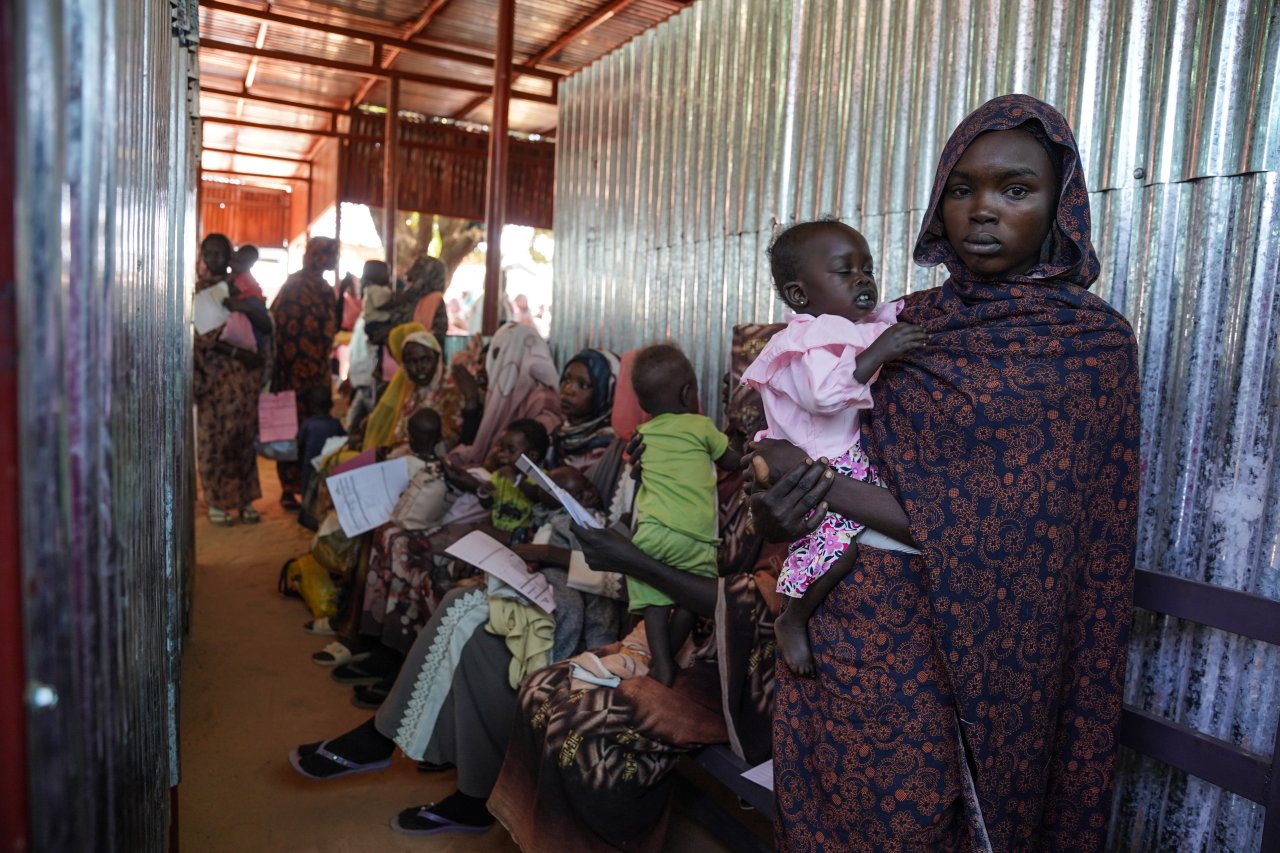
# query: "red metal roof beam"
{"type": "Point", "coordinates": [365, 70]}
{"type": "Point", "coordinates": [586, 25]}
{"type": "Point", "coordinates": [282, 102]}
{"type": "Point", "coordinates": [235, 173]}
{"type": "Point", "coordinates": [386, 42]}
{"type": "Point", "coordinates": [297, 161]}
{"type": "Point", "coordinates": [389, 59]}
{"type": "Point", "coordinates": [278, 128]}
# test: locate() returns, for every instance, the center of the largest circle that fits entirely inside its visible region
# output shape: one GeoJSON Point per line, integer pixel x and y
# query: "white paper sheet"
{"type": "Point", "coordinates": [761, 774]}
{"type": "Point", "coordinates": [577, 511]}
{"type": "Point", "coordinates": [491, 556]}
{"type": "Point", "coordinates": [365, 497]}
{"type": "Point", "coordinates": [206, 308]}
{"type": "Point", "coordinates": [331, 445]}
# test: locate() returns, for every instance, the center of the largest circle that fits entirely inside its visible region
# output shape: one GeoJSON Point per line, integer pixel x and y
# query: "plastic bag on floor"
{"type": "Point", "coordinates": [331, 547]}
{"type": "Point", "coordinates": [314, 584]}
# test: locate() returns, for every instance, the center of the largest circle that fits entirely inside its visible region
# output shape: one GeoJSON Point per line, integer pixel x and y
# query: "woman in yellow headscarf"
{"type": "Point", "coordinates": [419, 383]}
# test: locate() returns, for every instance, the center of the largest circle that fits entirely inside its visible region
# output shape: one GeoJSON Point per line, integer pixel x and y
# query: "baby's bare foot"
{"type": "Point", "coordinates": [792, 636]}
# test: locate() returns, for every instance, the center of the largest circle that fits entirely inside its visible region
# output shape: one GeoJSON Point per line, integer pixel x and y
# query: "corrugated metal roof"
{"type": "Point", "coordinates": [345, 33]}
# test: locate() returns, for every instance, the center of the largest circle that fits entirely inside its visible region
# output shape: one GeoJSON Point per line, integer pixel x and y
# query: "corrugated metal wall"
{"type": "Point", "coordinates": [104, 238]}
{"type": "Point", "coordinates": [679, 152]}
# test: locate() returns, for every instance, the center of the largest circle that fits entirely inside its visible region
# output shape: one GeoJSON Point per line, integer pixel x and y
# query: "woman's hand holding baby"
{"type": "Point", "coordinates": [794, 505]}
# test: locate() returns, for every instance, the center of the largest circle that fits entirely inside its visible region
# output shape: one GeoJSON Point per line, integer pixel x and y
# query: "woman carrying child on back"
{"type": "Point", "coordinates": [814, 378]}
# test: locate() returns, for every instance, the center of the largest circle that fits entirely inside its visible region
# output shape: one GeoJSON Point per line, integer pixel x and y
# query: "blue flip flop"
{"type": "Point", "coordinates": [425, 813]}
{"type": "Point", "coordinates": [352, 768]}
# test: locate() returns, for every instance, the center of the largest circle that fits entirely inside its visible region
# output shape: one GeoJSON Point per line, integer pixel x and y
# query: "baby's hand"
{"type": "Point", "coordinates": [898, 340]}
{"type": "Point", "coordinates": [760, 470]}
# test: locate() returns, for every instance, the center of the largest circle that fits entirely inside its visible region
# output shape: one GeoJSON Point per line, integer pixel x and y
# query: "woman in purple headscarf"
{"type": "Point", "coordinates": [968, 698]}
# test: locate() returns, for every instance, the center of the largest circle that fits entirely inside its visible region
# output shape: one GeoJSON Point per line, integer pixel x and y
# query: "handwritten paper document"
{"type": "Point", "coordinates": [761, 774]}
{"type": "Point", "coordinates": [577, 511]}
{"type": "Point", "coordinates": [206, 308]}
{"type": "Point", "coordinates": [491, 556]}
{"type": "Point", "coordinates": [277, 417]}
{"type": "Point", "coordinates": [365, 497]}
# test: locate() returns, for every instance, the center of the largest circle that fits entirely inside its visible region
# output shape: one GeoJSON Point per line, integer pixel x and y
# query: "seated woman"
{"type": "Point", "coordinates": [586, 400]}
{"type": "Point", "coordinates": [400, 591]}
{"type": "Point", "coordinates": [521, 381]}
{"type": "Point", "coordinates": [453, 702]}
{"type": "Point", "coordinates": [418, 384]}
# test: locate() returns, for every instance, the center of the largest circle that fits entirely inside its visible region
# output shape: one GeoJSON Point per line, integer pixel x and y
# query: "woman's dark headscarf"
{"type": "Point", "coordinates": [595, 431]}
{"type": "Point", "coordinates": [1068, 254]}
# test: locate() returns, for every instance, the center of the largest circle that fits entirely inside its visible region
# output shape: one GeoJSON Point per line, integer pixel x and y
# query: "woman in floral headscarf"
{"type": "Point", "coordinates": [969, 698]}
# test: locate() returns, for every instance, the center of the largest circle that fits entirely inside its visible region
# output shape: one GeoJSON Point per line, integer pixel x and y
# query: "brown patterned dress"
{"type": "Point", "coordinates": [306, 318]}
{"type": "Point", "coordinates": [226, 393]}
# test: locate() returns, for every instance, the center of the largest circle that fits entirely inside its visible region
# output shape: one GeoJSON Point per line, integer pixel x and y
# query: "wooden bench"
{"type": "Point", "coordinates": [1251, 775]}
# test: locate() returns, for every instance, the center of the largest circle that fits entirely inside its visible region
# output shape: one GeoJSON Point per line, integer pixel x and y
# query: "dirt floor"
{"type": "Point", "coordinates": [250, 692]}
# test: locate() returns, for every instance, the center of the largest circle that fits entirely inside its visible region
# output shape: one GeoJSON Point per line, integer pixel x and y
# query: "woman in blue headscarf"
{"type": "Point", "coordinates": [586, 401]}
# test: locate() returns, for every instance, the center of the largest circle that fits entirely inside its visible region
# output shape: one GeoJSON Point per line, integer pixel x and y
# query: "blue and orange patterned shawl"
{"type": "Point", "coordinates": [1012, 443]}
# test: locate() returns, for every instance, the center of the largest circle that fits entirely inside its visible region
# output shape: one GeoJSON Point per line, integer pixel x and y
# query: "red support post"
{"type": "Point", "coordinates": [341, 170]}
{"type": "Point", "coordinates": [14, 827]}
{"type": "Point", "coordinates": [391, 172]}
{"type": "Point", "coordinates": [496, 204]}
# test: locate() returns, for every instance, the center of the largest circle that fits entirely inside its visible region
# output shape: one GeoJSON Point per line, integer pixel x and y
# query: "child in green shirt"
{"type": "Point", "coordinates": [675, 508]}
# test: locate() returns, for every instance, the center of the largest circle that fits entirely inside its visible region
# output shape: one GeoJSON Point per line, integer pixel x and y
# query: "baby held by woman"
{"type": "Point", "coordinates": [814, 378]}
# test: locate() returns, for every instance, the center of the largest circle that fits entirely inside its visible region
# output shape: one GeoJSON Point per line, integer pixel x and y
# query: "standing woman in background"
{"type": "Point", "coordinates": [227, 381]}
{"type": "Point", "coordinates": [305, 313]}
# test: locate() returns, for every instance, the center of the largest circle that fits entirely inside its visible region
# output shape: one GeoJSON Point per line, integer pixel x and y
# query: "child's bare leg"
{"type": "Point", "coordinates": [791, 628]}
{"type": "Point", "coordinates": [682, 620]}
{"type": "Point", "coordinates": [662, 664]}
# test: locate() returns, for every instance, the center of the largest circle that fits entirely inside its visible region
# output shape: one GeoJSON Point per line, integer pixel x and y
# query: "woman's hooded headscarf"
{"type": "Point", "coordinates": [1010, 440]}
{"type": "Point", "coordinates": [596, 432]}
{"type": "Point", "coordinates": [382, 424]}
{"type": "Point", "coordinates": [1068, 254]}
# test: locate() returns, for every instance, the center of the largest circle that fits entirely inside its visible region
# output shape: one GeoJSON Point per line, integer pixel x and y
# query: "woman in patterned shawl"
{"type": "Point", "coordinates": [589, 767]}
{"type": "Point", "coordinates": [968, 698]}
{"type": "Point", "coordinates": [227, 381]}
{"type": "Point", "coordinates": [306, 317]}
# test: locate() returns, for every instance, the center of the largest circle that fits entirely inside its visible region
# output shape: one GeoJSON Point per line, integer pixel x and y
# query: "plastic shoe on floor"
{"type": "Point", "coordinates": [337, 653]}
{"type": "Point", "coordinates": [420, 820]}
{"type": "Point", "coordinates": [350, 768]}
{"type": "Point", "coordinates": [220, 517]}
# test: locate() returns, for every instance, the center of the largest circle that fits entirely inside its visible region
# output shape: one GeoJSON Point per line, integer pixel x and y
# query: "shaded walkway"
{"type": "Point", "coordinates": [250, 692]}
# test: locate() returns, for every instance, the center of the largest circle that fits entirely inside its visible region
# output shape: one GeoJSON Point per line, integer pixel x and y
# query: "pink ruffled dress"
{"type": "Point", "coordinates": [805, 379]}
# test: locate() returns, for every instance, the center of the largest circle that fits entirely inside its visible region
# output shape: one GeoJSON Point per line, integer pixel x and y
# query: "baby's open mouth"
{"type": "Point", "coordinates": [865, 299]}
